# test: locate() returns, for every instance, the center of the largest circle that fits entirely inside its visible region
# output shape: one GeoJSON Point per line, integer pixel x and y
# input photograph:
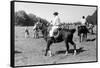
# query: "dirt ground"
{"type": "Point", "coordinates": [30, 51]}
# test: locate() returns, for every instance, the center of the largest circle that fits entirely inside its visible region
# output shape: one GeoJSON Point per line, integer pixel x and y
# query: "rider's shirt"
{"type": "Point", "coordinates": [83, 21]}
{"type": "Point", "coordinates": [55, 24]}
{"type": "Point", "coordinates": [56, 21]}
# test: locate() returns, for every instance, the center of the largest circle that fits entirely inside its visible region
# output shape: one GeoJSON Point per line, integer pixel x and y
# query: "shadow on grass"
{"type": "Point", "coordinates": [93, 33]}
{"type": "Point", "coordinates": [71, 51]}
{"type": "Point", "coordinates": [38, 37]}
{"type": "Point", "coordinates": [91, 39]}
{"type": "Point", "coordinates": [17, 52]}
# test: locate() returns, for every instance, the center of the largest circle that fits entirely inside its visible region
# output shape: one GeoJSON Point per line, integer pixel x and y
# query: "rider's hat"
{"type": "Point", "coordinates": [83, 17]}
{"type": "Point", "coordinates": [55, 13]}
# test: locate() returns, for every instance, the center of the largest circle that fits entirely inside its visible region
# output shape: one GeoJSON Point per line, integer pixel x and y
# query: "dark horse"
{"type": "Point", "coordinates": [65, 35]}
{"type": "Point", "coordinates": [82, 32]}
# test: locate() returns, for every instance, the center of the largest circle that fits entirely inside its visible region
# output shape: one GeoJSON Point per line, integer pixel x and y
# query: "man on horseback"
{"type": "Point", "coordinates": [65, 35]}
{"type": "Point", "coordinates": [83, 29]}
{"type": "Point", "coordinates": [55, 24]}
{"type": "Point", "coordinates": [83, 21]}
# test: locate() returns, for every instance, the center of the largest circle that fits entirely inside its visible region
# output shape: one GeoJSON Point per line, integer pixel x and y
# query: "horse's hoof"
{"type": "Point", "coordinates": [66, 54]}
{"type": "Point", "coordinates": [49, 53]}
{"type": "Point", "coordinates": [45, 54]}
{"type": "Point", "coordinates": [74, 53]}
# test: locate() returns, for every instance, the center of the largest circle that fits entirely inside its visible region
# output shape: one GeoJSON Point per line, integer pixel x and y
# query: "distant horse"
{"type": "Point", "coordinates": [65, 35]}
{"type": "Point", "coordinates": [82, 32]}
{"type": "Point", "coordinates": [90, 27]}
{"type": "Point", "coordinates": [35, 32]}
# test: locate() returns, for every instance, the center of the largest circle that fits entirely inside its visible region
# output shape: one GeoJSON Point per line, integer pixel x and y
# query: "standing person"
{"type": "Point", "coordinates": [55, 23]}
{"type": "Point", "coordinates": [26, 32]}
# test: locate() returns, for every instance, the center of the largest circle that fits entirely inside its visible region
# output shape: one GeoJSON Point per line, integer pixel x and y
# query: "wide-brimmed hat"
{"type": "Point", "coordinates": [55, 13]}
{"type": "Point", "coordinates": [83, 17]}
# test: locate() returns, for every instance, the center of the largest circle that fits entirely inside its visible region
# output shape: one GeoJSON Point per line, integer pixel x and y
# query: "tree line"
{"type": "Point", "coordinates": [24, 19]}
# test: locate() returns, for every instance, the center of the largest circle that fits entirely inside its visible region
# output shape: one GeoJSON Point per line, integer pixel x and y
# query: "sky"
{"type": "Point", "coordinates": [67, 13]}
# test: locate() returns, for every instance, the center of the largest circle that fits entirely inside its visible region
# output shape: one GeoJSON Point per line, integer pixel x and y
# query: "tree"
{"type": "Point", "coordinates": [24, 19]}
{"type": "Point", "coordinates": [21, 18]}
{"type": "Point", "coordinates": [93, 18]}
{"type": "Point", "coordinates": [33, 18]}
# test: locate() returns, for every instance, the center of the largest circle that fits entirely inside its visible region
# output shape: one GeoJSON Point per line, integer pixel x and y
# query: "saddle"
{"type": "Point", "coordinates": [57, 32]}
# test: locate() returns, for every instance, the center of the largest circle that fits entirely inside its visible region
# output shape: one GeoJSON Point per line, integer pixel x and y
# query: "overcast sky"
{"type": "Point", "coordinates": [67, 13]}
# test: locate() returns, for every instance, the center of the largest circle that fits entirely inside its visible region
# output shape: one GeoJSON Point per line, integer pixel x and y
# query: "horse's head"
{"type": "Point", "coordinates": [38, 25]}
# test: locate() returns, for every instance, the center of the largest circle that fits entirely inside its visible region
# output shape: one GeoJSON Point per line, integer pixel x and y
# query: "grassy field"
{"type": "Point", "coordinates": [31, 51]}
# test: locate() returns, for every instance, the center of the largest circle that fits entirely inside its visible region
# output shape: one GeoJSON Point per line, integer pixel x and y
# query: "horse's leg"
{"type": "Point", "coordinates": [74, 46]}
{"type": "Point", "coordinates": [83, 37]}
{"type": "Point", "coordinates": [25, 35]}
{"type": "Point", "coordinates": [86, 36]}
{"type": "Point", "coordinates": [36, 35]}
{"type": "Point", "coordinates": [67, 47]}
{"type": "Point", "coordinates": [48, 48]}
{"type": "Point", "coordinates": [92, 30]}
{"type": "Point", "coordinates": [80, 37]}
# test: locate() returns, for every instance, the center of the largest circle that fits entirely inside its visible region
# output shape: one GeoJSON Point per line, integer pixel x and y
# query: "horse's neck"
{"type": "Point", "coordinates": [44, 30]}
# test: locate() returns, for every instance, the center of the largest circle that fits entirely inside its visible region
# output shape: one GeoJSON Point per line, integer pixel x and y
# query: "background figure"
{"type": "Point", "coordinates": [26, 32]}
{"type": "Point", "coordinates": [55, 23]}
